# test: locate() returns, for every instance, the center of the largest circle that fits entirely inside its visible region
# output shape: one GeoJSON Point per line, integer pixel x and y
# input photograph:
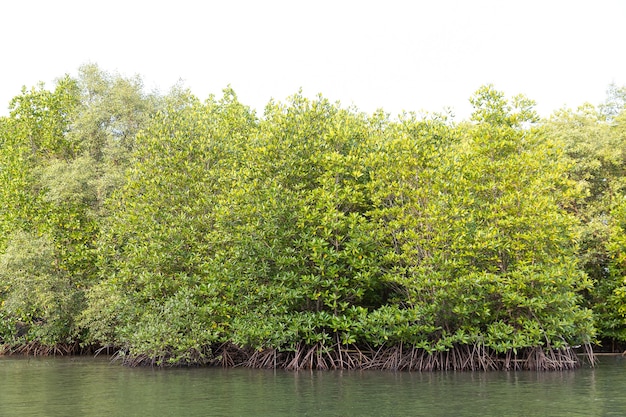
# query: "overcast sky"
{"type": "Point", "coordinates": [393, 54]}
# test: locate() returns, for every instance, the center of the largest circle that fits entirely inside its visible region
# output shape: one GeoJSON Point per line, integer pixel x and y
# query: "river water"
{"type": "Point", "coordinates": [86, 386]}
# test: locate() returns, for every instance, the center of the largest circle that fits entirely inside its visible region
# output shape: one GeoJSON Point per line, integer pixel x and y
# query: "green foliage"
{"type": "Point", "coordinates": [113, 109]}
{"type": "Point", "coordinates": [167, 226]}
{"type": "Point", "coordinates": [53, 183]}
{"type": "Point", "coordinates": [492, 108]}
{"type": "Point", "coordinates": [319, 224]}
{"type": "Point", "coordinates": [39, 297]}
{"type": "Point", "coordinates": [611, 291]}
{"type": "Point", "coordinates": [481, 244]}
{"type": "Point", "coordinates": [35, 131]}
{"type": "Point", "coordinates": [160, 247]}
{"type": "Point", "coordinates": [594, 141]}
{"type": "Point", "coordinates": [41, 293]}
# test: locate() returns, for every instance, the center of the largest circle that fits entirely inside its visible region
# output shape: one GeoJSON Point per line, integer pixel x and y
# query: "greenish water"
{"type": "Point", "coordinates": [94, 387]}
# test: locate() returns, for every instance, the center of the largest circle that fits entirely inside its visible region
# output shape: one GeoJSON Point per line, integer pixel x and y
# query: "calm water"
{"type": "Point", "coordinates": [94, 387]}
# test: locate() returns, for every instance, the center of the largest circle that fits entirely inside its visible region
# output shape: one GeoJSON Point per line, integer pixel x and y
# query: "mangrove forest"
{"type": "Point", "coordinates": [171, 231]}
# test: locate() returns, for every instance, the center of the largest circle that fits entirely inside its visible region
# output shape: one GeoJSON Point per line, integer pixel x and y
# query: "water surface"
{"type": "Point", "coordinates": [95, 387]}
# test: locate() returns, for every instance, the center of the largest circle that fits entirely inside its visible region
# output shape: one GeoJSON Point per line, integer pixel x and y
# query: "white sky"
{"type": "Point", "coordinates": [393, 54]}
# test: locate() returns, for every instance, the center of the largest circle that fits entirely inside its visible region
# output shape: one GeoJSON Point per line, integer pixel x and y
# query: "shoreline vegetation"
{"type": "Point", "coordinates": [169, 231]}
{"type": "Point", "coordinates": [341, 357]}
{"type": "Point", "coordinates": [397, 358]}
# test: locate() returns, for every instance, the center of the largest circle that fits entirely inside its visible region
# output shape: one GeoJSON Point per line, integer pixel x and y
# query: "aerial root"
{"type": "Point", "coordinates": [39, 349]}
{"type": "Point", "coordinates": [476, 357]}
{"type": "Point", "coordinates": [402, 358]}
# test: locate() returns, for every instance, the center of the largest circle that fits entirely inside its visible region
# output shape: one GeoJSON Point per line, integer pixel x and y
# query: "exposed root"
{"type": "Point", "coordinates": [400, 358]}
{"type": "Point", "coordinates": [588, 354]}
{"type": "Point", "coordinates": [38, 349]}
{"type": "Point", "coordinates": [192, 357]}
{"type": "Point", "coordinates": [475, 357]}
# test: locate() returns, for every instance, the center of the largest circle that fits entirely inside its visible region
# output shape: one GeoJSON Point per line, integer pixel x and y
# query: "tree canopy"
{"type": "Point", "coordinates": [181, 231]}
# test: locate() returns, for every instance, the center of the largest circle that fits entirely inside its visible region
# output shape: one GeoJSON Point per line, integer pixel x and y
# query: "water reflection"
{"type": "Point", "coordinates": [94, 387]}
